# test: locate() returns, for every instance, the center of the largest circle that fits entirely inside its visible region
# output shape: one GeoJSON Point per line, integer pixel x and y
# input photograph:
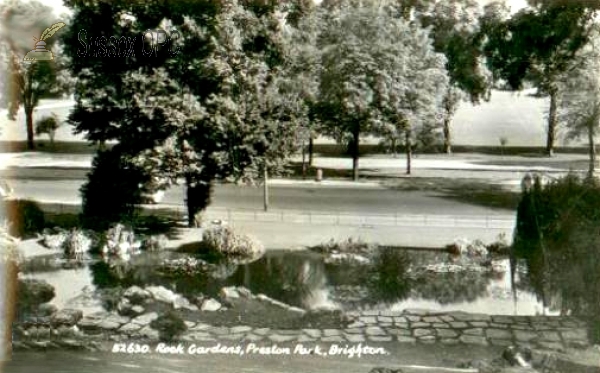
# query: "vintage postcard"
{"type": "Point", "coordinates": [360, 186]}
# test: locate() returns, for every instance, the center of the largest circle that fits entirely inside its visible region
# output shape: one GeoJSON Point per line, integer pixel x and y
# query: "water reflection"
{"type": "Point", "coordinates": [395, 279]}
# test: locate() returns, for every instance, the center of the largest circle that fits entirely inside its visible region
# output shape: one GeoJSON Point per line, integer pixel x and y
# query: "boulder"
{"type": "Point", "coordinates": [67, 317]}
{"type": "Point", "coordinates": [162, 294]}
{"type": "Point", "coordinates": [244, 292]}
{"type": "Point", "coordinates": [136, 294]}
{"type": "Point", "coordinates": [229, 292]}
{"type": "Point", "coordinates": [145, 319]}
{"type": "Point", "coordinates": [182, 302]}
{"type": "Point", "coordinates": [124, 307]}
{"type": "Point", "coordinates": [211, 305]}
{"type": "Point", "coordinates": [137, 310]}
{"type": "Point", "coordinates": [32, 293]}
{"type": "Point", "coordinates": [46, 309]}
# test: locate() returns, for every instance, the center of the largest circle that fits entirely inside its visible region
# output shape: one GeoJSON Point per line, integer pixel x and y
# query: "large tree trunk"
{"type": "Point", "coordinates": [408, 146]}
{"type": "Point", "coordinates": [266, 187]}
{"type": "Point", "coordinates": [552, 120]}
{"type": "Point", "coordinates": [447, 135]}
{"type": "Point", "coordinates": [355, 153]}
{"type": "Point", "coordinates": [29, 124]}
{"type": "Point", "coordinates": [592, 151]}
{"type": "Point", "coordinates": [304, 166]}
{"type": "Point", "coordinates": [311, 147]}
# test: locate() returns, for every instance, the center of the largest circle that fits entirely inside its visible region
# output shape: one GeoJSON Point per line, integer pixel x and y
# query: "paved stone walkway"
{"type": "Point", "coordinates": [424, 327]}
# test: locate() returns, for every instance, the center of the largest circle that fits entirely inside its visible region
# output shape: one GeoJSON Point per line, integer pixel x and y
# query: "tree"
{"type": "Point", "coordinates": [579, 102]}
{"type": "Point", "coordinates": [25, 83]}
{"type": "Point", "coordinates": [455, 31]}
{"type": "Point", "coordinates": [302, 71]}
{"type": "Point", "coordinates": [378, 70]}
{"type": "Point", "coordinates": [538, 45]}
{"type": "Point", "coordinates": [198, 115]}
{"type": "Point", "coordinates": [48, 125]}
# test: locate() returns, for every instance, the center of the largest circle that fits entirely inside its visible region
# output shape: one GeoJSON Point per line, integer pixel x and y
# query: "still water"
{"type": "Point", "coordinates": [305, 280]}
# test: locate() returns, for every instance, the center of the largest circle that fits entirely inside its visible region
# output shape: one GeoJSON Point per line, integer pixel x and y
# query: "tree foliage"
{"type": "Point", "coordinates": [378, 70]}
{"type": "Point", "coordinates": [538, 45]}
{"type": "Point", "coordinates": [47, 125]}
{"type": "Point", "coordinates": [25, 83]}
{"type": "Point", "coordinates": [211, 111]}
{"type": "Point", "coordinates": [579, 100]}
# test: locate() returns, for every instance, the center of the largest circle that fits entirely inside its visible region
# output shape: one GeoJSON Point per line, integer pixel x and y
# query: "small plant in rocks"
{"type": "Point", "coordinates": [169, 326]}
{"type": "Point", "coordinates": [54, 238]}
{"type": "Point", "coordinates": [154, 243]}
{"type": "Point", "coordinates": [76, 244]}
{"type": "Point", "coordinates": [120, 242]}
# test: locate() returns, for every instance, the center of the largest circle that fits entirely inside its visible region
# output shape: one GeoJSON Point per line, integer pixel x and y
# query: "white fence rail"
{"type": "Point", "coordinates": [323, 217]}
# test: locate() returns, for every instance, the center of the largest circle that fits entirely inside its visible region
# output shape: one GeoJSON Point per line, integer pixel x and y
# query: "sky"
{"type": "Point", "coordinates": [514, 5]}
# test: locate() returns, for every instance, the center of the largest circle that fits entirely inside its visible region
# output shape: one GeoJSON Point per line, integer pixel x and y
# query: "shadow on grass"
{"type": "Point", "coordinates": [144, 224]}
{"type": "Point", "coordinates": [498, 199]}
{"type": "Point", "coordinates": [59, 147]}
{"type": "Point", "coordinates": [470, 191]}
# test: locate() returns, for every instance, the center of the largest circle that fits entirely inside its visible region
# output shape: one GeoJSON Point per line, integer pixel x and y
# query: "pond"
{"type": "Point", "coordinates": [306, 280]}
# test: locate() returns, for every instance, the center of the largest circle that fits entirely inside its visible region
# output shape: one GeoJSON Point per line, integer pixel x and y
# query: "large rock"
{"type": "Point", "coordinates": [162, 294]}
{"type": "Point", "coordinates": [182, 302]}
{"type": "Point", "coordinates": [229, 292]}
{"type": "Point", "coordinates": [47, 309]}
{"type": "Point", "coordinates": [136, 294]}
{"type": "Point", "coordinates": [32, 293]}
{"type": "Point", "coordinates": [124, 307]}
{"type": "Point", "coordinates": [145, 319]}
{"type": "Point", "coordinates": [211, 305]}
{"type": "Point", "coordinates": [67, 317]}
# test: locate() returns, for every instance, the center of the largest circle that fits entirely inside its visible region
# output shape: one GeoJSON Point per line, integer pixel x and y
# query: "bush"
{"type": "Point", "coordinates": [25, 217]}
{"type": "Point", "coordinates": [169, 326]}
{"type": "Point", "coordinates": [76, 244]}
{"type": "Point", "coordinates": [557, 235]}
{"type": "Point", "coordinates": [224, 241]}
{"type": "Point", "coordinates": [120, 241]}
{"type": "Point", "coordinates": [111, 297]}
{"type": "Point", "coordinates": [349, 246]}
{"type": "Point", "coordinates": [112, 191]}
{"type": "Point", "coordinates": [32, 293]}
{"type": "Point", "coordinates": [154, 243]}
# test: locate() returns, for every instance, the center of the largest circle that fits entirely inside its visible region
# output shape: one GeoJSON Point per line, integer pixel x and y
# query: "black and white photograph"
{"type": "Point", "coordinates": [302, 186]}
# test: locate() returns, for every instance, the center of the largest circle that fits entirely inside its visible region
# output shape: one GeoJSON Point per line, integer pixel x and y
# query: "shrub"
{"type": "Point", "coordinates": [120, 241]}
{"type": "Point", "coordinates": [557, 234]}
{"type": "Point", "coordinates": [113, 190]}
{"type": "Point", "coordinates": [25, 217]}
{"type": "Point", "coordinates": [169, 326]}
{"type": "Point", "coordinates": [32, 293]}
{"type": "Point", "coordinates": [8, 246]}
{"type": "Point", "coordinates": [349, 246]}
{"type": "Point", "coordinates": [48, 125]}
{"type": "Point", "coordinates": [224, 241]}
{"type": "Point", "coordinates": [154, 243]}
{"type": "Point", "coordinates": [111, 297]}
{"type": "Point", "coordinates": [76, 244]}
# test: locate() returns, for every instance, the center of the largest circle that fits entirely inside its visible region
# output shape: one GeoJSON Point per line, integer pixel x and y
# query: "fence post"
{"type": "Point", "coordinates": [310, 217]}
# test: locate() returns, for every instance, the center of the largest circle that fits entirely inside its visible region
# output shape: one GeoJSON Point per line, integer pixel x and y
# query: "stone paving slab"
{"type": "Point", "coordinates": [412, 326]}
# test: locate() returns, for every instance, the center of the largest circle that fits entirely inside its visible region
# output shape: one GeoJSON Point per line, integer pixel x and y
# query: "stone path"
{"type": "Point", "coordinates": [409, 326]}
